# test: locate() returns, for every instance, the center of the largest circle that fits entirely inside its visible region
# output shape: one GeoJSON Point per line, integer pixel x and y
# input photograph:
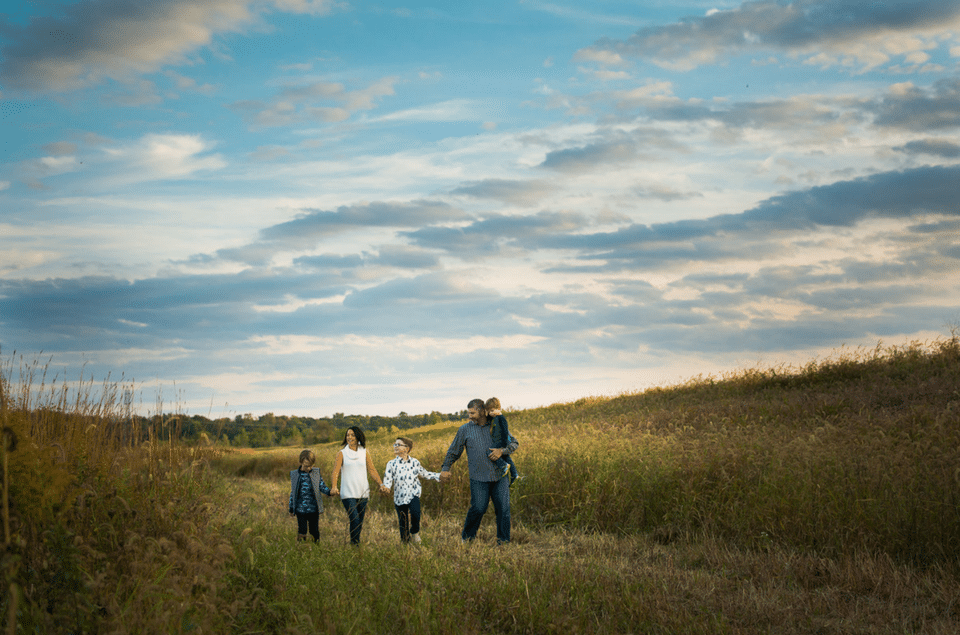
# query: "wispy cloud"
{"type": "Point", "coordinates": [827, 32]}
{"type": "Point", "coordinates": [314, 226]}
{"type": "Point", "coordinates": [526, 193]}
{"type": "Point", "coordinates": [88, 43]}
{"type": "Point", "coordinates": [323, 102]}
{"type": "Point", "coordinates": [449, 110]}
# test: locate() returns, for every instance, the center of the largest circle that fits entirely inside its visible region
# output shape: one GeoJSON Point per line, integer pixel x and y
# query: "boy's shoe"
{"type": "Point", "coordinates": [415, 539]}
{"type": "Point", "coordinates": [506, 470]}
{"type": "Point", "coordinates": [519, 476]}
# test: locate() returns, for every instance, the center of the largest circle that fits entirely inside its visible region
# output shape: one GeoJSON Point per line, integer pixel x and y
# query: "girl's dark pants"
{"type": "Point", "coordinates": [311, 522]}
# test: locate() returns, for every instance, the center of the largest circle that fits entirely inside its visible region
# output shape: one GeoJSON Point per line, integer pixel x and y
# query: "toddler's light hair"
{"type": "Point", "coordinates": [492, 404]}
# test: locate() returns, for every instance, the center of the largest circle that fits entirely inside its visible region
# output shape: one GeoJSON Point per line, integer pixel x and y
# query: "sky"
{"type": "Point", "coordinates": [308, 206]}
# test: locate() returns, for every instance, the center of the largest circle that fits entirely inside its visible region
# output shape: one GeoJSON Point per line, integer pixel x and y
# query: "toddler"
{"type": "Point", "coordinates": [501, 436]}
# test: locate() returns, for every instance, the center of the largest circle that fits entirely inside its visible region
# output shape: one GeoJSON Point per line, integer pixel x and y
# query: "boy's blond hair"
{"type": "Point", "coordinates": [308, 455]}
{"type": "Point", "coordinates": [492, 404]}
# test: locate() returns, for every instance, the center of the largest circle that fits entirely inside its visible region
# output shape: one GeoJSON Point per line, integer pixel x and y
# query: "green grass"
{"type": "Point", "coordinates": [784, 500]}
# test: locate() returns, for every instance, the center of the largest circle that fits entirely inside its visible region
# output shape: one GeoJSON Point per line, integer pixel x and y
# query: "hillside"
{"type": "Point", "coordinates": [814, 499]}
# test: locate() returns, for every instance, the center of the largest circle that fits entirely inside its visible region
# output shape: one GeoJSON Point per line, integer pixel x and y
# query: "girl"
{"type": "Point", "coordinates": [406, 471]}
{"type": "Point", "coordinates": [306, 485]}
{"type": "Point", "coordinates": [354, 492]}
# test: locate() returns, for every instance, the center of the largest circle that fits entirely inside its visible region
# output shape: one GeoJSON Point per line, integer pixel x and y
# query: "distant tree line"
{"type": "Point", "coordinates": [269, 430]}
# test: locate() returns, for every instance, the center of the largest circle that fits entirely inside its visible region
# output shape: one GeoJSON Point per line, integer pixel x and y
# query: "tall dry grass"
{"type": "Point", "coordinates": [556, 580]}
{"type": "Point", "coordinates": [107, 530]}
{"type": "Point", "coordinates": [855, 452]}
{"type": "Point", "coordinates": [789, 500]}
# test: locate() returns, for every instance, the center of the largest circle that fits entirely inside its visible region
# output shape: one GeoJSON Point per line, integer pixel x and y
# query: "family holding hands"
{"type": "Point", "coordinates": [487, 440]}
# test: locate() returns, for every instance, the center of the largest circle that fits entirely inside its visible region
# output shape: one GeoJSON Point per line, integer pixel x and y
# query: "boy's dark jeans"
{"type": "Point", "coordinates": [309, 522]}
{"type": "Point", "coordinates": [409, 517]}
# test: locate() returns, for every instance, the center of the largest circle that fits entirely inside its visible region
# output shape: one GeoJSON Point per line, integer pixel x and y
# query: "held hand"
{"type": "Point", "coordinates": [444, 477]}
{"type": "Point", "coordinates": [495, 454]}
{"type": "Point", "coordinates": [384, 489]}
{"type": "Point", "coordinates": [334, 491]}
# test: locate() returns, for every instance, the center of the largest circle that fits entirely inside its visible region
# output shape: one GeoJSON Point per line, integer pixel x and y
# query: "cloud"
{"type": "Point", "coordinates": [403, 257]}
{"type": "Point", "coordinates": [164, 156]}
{"type": "Point", "coordinates": [330, 262]}
{"type": "Point", "coordinates": [393, 256]}
{"type": "Point", "coordinates": [591, 156]}
{"type": "Point", "coordinates": [484, 237]}
{"type": "Point", "coordinates": [888, 195]}
{"type": "Point", "coordinates": [424, 291]}
{"type": "Point", "coordinates": [91, 42]}
{"type": "Point", "coordinates": [811, 118]}
{"type": "Point", "coordinates": [832, 31]}
{"type": "Point", "coordinates": [189, 84]}
{"type": "Point", "coordinates": [599, 56]}
{"type": "Point", "coordinates": [665, 193]}
{"type": "Point", "coordinates": [934, 147]}
{"type": "Point", "coordinates": [327, 102]}
{"type": "Point", "coordinates": [59, 148]}
{"type": "Point", "coordinates": [931, 189]}
{"type": "Point", "coordinates": [525, 193]}
{"type": "Point", "coordinates": [50, 166]}
{"type": "Point", "coordinates": [449, 110]}
{"type": "Point", "coordinates": [614, 148]}
{"type": "Point", "coordinates": [909, 107]}
{"type": "Point", "coordinates": [313, 226]}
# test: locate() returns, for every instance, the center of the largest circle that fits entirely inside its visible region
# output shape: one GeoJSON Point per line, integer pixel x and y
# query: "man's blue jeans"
{"type": "Point", "coordinates": [481, 493]}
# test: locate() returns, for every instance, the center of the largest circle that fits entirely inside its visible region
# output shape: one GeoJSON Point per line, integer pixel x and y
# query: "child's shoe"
{"type": "Point", "coordinates": [506, 470]}
{"type": "Point", "coordinates": [514, 480]}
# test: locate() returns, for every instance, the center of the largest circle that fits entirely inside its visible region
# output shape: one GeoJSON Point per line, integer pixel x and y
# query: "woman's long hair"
{"type": "Point", "coordinates": [357, 432]}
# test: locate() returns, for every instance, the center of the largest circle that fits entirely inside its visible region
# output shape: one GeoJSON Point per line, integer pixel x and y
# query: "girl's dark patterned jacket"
{"type": "Point", "coordinates": [318, 487]}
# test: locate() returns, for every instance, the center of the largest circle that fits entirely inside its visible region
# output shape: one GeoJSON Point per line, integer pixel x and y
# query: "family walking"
{"type": "Point", "coordinates": [487, 441]}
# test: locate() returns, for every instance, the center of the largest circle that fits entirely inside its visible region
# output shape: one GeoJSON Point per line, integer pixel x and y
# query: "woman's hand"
{"type": "Point", "coordinates": [334, 491]}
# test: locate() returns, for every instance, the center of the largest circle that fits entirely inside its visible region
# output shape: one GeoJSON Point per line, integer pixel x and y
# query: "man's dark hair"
{"type": "Point", "coordinates": [481, 408]}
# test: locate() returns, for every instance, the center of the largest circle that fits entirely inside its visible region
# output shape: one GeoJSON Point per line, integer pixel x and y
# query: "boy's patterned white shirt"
{"type": "Point", "coordinates": [404, 477]}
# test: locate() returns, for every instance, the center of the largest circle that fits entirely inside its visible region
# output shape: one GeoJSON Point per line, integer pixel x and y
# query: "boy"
{"type": "Point", "coordinates": [403, 473]}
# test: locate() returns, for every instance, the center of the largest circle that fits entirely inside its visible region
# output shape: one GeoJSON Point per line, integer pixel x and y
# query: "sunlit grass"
{"type": "Point", "coordinates": [815, 499]}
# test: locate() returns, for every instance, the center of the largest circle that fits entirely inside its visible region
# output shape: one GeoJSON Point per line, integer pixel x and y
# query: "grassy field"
{"type": "Point", "coordinates": [820, 499]}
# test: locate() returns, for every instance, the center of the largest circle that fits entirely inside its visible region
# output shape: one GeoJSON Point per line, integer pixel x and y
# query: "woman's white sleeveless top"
{"type": "Point", "coordinates": [353, 477]}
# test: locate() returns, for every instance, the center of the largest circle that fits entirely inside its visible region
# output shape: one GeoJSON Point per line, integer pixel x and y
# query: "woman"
{"type": "Point", "coordinates": [354, 489]}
